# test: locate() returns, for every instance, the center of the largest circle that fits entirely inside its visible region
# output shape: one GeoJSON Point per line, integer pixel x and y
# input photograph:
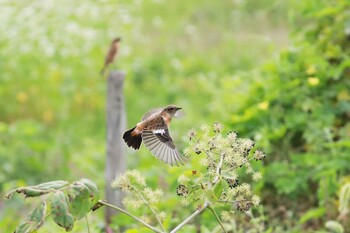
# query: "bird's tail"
{"type": "Point", "coordinates": [133, 141]}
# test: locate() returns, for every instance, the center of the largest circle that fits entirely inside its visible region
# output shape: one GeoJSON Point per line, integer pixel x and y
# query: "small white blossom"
{"type": "Point", "coordinates": [245, 189]}
{"type": "Point", "coordinates": [217, 127]}
{"type": "Point", "coordinates": [259, 154]}
{"type": "Point", "coordinates": [191, 133]}
{"type": "Point", "coordinates": [204, 162]}
{"type": "Point", "coordinates": [256, 200]}
{"type": "Point", "coordinates": [232, 136]}
{"type": "Point", "coordinates": [247, 143]}
{"type": "Point", "coordinates": [146, 218]}
{"type": "Point", "coordinates": [184, 202]}
{"type": "Point", "coordinates": [205, 129]}
{"type": "Point", "coordinates": [136, 175]}
{"type": "Point", "coordinates": [162, 216]}
{"type": "Point", "coordinates": [225, 215]}
{"type": "Point", "coordinates": [132, 202]}
{"type": "Point", "coordinates": [121, 182]}
{"type": "Point", "coordinates": [232, 192]}
{"type": "Point", "coordinates": [182, 180]}
{"type": "Point", "coordinates": [257, 176]}
{"type": "Point", "coordinates": [249, 168]}
{"type": "Point", "coordinates": [187, 151]}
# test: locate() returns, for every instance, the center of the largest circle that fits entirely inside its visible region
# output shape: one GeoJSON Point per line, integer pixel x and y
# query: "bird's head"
{"type": "Point", "coordinates": [171, 110]}
{"type": "Point", "coordinates": [118, 39]}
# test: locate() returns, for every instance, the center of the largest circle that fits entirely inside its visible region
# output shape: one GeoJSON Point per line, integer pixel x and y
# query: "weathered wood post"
{"type": "Point", "coordinates": [116, 125]}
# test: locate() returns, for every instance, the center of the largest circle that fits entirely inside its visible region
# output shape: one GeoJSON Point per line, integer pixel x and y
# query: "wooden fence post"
{"type": "Point", "coordinates": [116, 125]}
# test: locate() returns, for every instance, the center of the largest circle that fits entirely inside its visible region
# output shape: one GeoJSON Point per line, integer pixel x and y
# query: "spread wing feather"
{"type": "Point", "coordinates": [161, 145]}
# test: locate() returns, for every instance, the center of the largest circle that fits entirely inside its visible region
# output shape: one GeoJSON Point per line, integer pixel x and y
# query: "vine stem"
{"type": "Point", "coordinates": [217, 217]}
{"type": "Point", "coordinates": [149, 206]}
{"type": "Point", "coordinates": [197, 212]}
{"type": "Point", "coordinates": [130, 215]}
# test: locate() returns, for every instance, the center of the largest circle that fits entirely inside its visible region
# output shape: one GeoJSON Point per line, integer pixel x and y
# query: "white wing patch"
{"type": "Point", "coordinates": [159, 131]}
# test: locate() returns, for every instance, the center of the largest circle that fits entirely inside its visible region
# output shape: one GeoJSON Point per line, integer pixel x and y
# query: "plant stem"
{"type": "Point", "coordinates": [217, 217]}
{"type": "Point", "coordinates": [149, 206]}
{"type": "Point", "coordinates": [130, 215]}
{"type": "Point", "coordinates": [218, 170]}
{"type": "Point", "coordinates": [87, 223]}
{"type": "Point", "coordinates": [197, 212]}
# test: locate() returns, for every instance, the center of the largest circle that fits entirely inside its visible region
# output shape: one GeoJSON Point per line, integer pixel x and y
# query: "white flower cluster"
{"type": "Point", "coordinates": [220, 157]}
{"type": "Point", "coordinates": [126, 181]}
{"type": "Point", "coordinates": [139, 194]}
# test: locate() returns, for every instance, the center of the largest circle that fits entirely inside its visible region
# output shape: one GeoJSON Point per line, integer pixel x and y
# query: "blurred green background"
{"type": "Point", "coordinates": [275, 71]}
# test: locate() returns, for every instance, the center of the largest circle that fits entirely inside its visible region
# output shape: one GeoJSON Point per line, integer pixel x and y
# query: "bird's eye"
{"type": "Point", "coordinates": [171, 108]}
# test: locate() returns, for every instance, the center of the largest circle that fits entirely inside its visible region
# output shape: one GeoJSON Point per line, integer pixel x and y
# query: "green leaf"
{"type": "Point", "coordinates": [34, 220]}
{"type": "Point", "coordinates": [94, 191]}
{"type": "Point", "coordinates": [53, 184]}
{"type": "Point", "coordinates": [80, 202]}
{"type": "Point", "coordinates": [226, 174]}
{"type": "Point", "coordinates": [30, 191]}
{"type": "Point", "coordinates": [60, 211]}
{"type": "Point", "coordinates": [312, 214]}
{"type": "Point", "coordinates": [218, 189]}
{"type": "Point", "coordinates": [38, 190]}
{"type": "Point", "coordinates": [210, 195]}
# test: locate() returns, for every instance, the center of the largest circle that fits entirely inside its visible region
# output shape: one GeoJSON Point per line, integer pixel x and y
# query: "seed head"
{"type": "Point", "coordinates": [182, 190]}
{"type": "Point", "coordinates": [259, 155]}
{"type": "Point", "coordinates": [217, 127]}
{"type": "Point", "coordinates": [243, 205]}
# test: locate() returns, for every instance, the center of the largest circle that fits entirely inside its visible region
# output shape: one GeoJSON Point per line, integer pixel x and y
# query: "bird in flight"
{"type": "Point", "coordinates": [153, 131]}
{"type": "Point", "coordinates": [112, 53]}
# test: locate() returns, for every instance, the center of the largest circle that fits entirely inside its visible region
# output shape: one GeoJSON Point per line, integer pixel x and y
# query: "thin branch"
{"type": "Point", "coordinates": [218, 169]}
{"type": "Point", "coordinates": [217, 217]}
{"type": "Point", "coordinates": [130, 215]}
{"type": "Point", "coordinates": [248, 160]}
{"type": "Point", "coordinates": [149, 206]}
{"type": "Point", "coordinates": [197, 212]}
{"type": "Point", "coordinates": [232, 202]}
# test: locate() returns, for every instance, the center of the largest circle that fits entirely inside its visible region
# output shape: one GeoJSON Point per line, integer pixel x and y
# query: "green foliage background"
{"type": "Point", "coordinates": [227, 61]}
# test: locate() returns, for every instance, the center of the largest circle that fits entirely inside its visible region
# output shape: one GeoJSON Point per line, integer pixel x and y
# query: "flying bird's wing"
{"type": "Point", "coordinates": [151, 112]}
{"type": "Point", "coordinates": [161, 145]}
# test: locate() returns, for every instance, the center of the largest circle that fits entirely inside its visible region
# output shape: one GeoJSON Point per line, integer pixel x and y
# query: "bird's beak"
{"type": "Point", "coordinates": [178, 108]}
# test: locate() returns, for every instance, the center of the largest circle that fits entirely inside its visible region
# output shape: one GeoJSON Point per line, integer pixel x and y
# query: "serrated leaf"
{"type": "Point", "coordinates": [34, 220]}
{"type": "Point", "coordinates": [80, 202]}
{"type": "Point", "coordinates": [60, 211]}
{"type": "Point", "coordinates": [218, 189]}
{"type": "Point", "coordinates": [53, 184]}
{"type": "Point", "coordinates": [94, 191]}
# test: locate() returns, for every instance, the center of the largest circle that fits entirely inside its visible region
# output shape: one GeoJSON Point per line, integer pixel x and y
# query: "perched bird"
{"type": "Point", "coordinates": [112, 53]}
{"type": "Point", "coordinates": [153, 131]}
